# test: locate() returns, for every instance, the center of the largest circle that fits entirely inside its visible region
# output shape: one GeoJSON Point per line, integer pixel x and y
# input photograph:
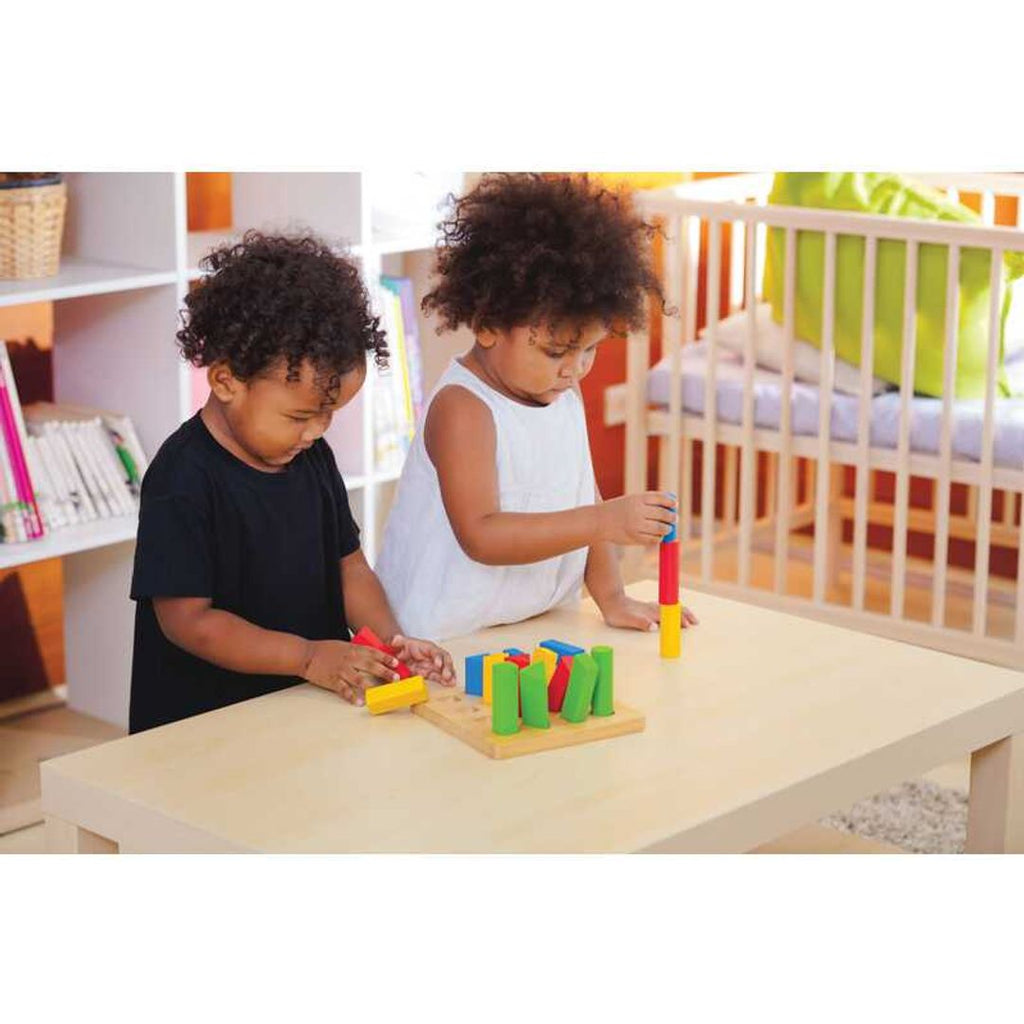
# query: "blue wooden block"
{"type": "Point", "coordinates": [475, 675]}
{"type": "Point", "coordinates": [514, 650]}
{"type": "Point", "coordinates": [562, 649]}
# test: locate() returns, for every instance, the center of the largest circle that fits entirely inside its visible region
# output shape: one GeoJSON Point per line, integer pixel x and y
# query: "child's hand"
{"type": "Point", "coordinates": [424, 658]}
{"type": "Point", "coordinates": [637, 518]}
{"type": "Point", "coordinates": [626, 613]}
{"type": "Point", "coordinates": [348, 669]}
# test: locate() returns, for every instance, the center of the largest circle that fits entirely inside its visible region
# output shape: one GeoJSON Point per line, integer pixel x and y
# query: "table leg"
{"type": "Point", "coordinates": [63, 837]}
{"type": "Point", "coordinates": [995, 811]}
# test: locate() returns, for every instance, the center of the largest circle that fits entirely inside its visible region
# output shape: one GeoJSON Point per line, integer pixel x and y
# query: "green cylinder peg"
{"type": "Point", "coordinates": [604, 689]}
{"type": "Point", "coordinates": [505, 698]}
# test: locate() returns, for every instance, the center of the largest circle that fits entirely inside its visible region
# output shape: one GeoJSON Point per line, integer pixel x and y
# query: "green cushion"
{"type": "Point", "coordinates": [890, 195]}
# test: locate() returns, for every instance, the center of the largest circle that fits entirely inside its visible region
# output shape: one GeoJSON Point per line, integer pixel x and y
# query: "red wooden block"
{"type": "Point", "coordinates": [559, 683]}
{"type": "Point", "coordinates": [522, 660]}
{"type": "Point", "coordinates": [367, 638]}
{"type": "Point", "coordinates": [668, 573]}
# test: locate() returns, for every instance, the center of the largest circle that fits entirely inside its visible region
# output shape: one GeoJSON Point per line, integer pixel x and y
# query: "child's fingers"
{"type": "Point", "coordinates": [689, 619]}
{"type": "Point", "coordinates": [344, 691]}
{"type": "Point", "coordinates": [657, 514]}
{"type": "Point", "coordinates": [376, 664]}
{"type": "Point", "coordinates": [661, 499]}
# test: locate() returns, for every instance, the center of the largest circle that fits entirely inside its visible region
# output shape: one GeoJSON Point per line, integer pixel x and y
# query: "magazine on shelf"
{"type": "Point", "coordinates": [22, 520]}
{"type": "Point", "coordinates": [63, 464]}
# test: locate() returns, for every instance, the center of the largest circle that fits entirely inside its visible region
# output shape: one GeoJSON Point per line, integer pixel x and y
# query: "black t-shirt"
{"type": "Point", "coordinates": [265, 546]}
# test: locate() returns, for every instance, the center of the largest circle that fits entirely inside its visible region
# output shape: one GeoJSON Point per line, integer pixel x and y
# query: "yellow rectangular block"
{"type": "Point", "coordinates": [548, 657]}
{"type": "Point", "coordinates": [490, 660]}
{"type": "Point", "coordinates": [402, 694]}
{"type": "Point", "coordinates": [671, 630]}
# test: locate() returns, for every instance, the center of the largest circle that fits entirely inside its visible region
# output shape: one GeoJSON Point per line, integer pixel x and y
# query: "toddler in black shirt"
{"type": "Point", "coordinates": [248, 571]}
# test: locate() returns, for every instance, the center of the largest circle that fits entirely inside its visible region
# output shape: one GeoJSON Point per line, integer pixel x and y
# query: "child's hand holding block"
{"type": "Point", "coordinates": [367, 638]}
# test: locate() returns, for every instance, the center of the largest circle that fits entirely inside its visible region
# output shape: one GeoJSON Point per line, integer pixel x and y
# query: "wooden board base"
{"type": "Point", "coordinates": [469, 719]}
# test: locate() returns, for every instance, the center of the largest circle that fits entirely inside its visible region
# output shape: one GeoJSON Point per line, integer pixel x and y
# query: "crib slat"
{"type": "Point", "coordinates": [822, 473]}
{"type": "Point", "coordinates": [981, 550]}
{"type": "Point", "coordinates": [942, 483]}
{"type": "Point", "coordinates": [1009, 508]}
{"type": "Point", "coordinates": [784, 496]}
{"type": "Point", "coordinates": [707, 500]}
{"type": "Point", "coordinates": [737, 265]}
{"type": "Point", "coordinates": [902, 499]}
{"type": "Point", "coordinates": [748, 459]}
{"type": "Point", "coordinates": [677, 255]}
{"type": "Point", "coordinates": [691, 273]}
{"type": "Point", "coordinates": [988, 208]}
{"type": "Point", "coordinates": [862, 486]}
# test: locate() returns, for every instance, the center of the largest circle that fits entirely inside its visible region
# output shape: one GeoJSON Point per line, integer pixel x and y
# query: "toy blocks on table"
{"type": "Point", "coordinates": [671, 629]}
{"type": "Point", "coordinates": [475, 675]}
{"type": "Point", "coordinates": [580, 693]}
{"type": "Point", "coordinates": [490, 660]}
{"type": "Point", "coordinates": [366, 637]}
{"type": "Point", "coordinates": [559, 684]}
{"type": "Point", "coordinates": [603, 702]}
{"type": "Point", "coordinates": [562, 649]}
{"type": "Point", "coordinates": [519, 660]}
{"type": "Point", "coordinates": [505, 699]}
{"type": "Point", "coordinates": [533, 693]}
{"type": "Point", "coordinates": [390, 696]}
{"type": "Point", "coordinates": [546, 657]}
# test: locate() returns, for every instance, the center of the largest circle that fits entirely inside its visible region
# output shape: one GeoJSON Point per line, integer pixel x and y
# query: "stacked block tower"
{"type": "Point", "coordinates": [668, 595]}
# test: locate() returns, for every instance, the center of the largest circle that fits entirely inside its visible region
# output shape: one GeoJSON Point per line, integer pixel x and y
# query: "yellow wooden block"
{"type": "Point", "coordinates": [402, 694]}
{"type": "Point", "coordinates": [548, 657]}
{"type": "Point", "coordinates": [490, 660]}
{"type": "Point", "coordinates": [671, 630]}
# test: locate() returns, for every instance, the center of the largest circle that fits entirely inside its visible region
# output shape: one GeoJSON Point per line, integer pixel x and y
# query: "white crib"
{"type": "Point", "coordinates": [688, 400]}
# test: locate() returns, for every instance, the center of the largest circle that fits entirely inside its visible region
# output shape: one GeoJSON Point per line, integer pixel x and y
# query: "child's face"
{"type": "Point", "coordinates": [273, 418]}
{"type": "Point", "coordinates": [537, 364]}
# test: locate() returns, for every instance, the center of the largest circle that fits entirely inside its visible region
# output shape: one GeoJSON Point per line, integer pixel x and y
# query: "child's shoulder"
{"type": "Point", "coordinates": [182, 464]}
{"type": "Point", "coordinates": [457, 412]}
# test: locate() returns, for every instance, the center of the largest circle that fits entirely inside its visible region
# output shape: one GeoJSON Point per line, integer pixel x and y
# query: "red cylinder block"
{"type": "Point", "coordinates": [668, 573]}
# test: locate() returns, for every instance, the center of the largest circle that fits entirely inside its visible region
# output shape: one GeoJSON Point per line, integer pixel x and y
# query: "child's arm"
{"type": "Point", "coordinates": [234, 643]}
{"type": "Point", "coordinates": [460, 440]}
{"type": "Point", "coordinates": [604, 582]}
{"type": "Point", "coordinates": [366, 604]}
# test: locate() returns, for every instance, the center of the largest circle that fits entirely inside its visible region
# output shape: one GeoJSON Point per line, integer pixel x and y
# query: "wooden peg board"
{"type": "Point", "coordinates": [469, 719]}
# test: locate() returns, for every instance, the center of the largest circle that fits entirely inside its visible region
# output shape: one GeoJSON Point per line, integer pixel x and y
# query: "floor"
{"type": "Point", "coordinates": [34, 735]}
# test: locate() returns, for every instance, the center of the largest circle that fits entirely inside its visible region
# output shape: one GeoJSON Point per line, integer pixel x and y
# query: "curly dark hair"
{"type": "Point", "coordinates": [521, 248]}
{"type": "Point", "coordinates": [269, 297]}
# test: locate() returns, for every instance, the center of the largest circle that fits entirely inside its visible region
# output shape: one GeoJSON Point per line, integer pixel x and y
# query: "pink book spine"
{"type": "Point", "coordinates": [23, 483]}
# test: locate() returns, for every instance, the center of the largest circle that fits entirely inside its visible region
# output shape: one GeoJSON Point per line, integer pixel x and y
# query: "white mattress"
{"type": "Point", "coordinates": [926, 413]}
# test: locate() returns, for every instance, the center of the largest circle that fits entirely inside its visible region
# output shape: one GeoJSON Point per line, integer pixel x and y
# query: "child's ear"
{"type": "Point", "coordinates": [223, 383]}
{"type": "Point", "coordinates": [486, 338]}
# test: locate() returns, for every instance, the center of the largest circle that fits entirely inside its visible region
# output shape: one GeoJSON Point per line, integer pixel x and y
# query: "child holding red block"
{"type": "Point", "coordinates": [497, 516]}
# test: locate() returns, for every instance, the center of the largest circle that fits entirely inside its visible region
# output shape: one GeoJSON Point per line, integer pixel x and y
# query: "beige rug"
{"type": "Point", "coordinates": [920, 817]}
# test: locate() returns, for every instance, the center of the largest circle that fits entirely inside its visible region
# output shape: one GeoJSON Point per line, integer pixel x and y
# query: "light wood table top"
{"type": "Point", "coordinates": [766, 722]}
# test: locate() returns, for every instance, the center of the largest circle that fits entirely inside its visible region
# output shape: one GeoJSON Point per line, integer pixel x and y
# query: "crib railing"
{"type": "Point", "coordinates": [739, 202]}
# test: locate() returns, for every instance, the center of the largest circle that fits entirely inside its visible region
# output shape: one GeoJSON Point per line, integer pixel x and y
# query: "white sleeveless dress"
{"type": "Point", "coordinates": [543, 461]}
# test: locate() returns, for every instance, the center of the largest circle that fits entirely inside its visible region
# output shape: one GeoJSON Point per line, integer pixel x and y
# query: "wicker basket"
{"type": "Point", "coordinates": [31, 225]}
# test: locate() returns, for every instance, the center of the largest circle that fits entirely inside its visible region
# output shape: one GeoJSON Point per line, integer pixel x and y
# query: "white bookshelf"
{"type": "Point", "coordinates": [127, 263]}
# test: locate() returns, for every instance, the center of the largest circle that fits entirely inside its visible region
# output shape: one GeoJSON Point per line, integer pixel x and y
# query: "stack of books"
{"type": "Point", "coordinates": [398, 391]}
{"type": "Point", "coordinates": [62, 465]}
